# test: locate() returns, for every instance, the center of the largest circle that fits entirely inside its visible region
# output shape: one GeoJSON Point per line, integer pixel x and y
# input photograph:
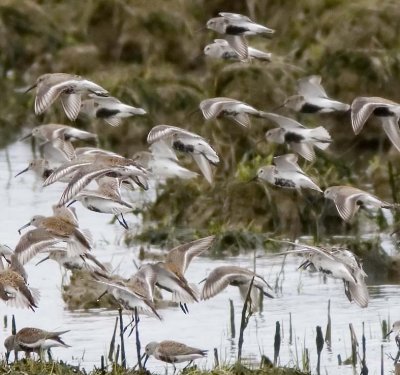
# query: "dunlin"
{"type": "Point", "coordinates": [135, 292]}
{"type": "Point", "coordinates": [109, 109]}
{"type": "Point", "coordinates": [387, 111]}
{"type": "Point", "coordinates": [225, 107]}
{"type": "Point", "coordinates": [349, 199]}
{"type": "Point", "coordinates": [162, 162]}
{"type": "Point", "coordinates": [223, 276]}
{"type": "Point", "coordinates": [63, 226]}
{"type": "Point", "coordinates": [339, 263]}
{"type": "Point", "coordinates": [286, 173]}
{"type": "Point", "coordinates": [49, 132]}
{"type": "Point", "coordinates": [221, 49]}
{"type": "Point", "coordinates": [395, 329]}
{"type": "Point", "coordinates": [89, 167]}
{"type": "Point", "coordinates": [312, 98]}
{"type": "Point", "coordinates": [170, 274]}
{"type": "Point", "coordinates": [68, 87]}
{"type": "Point", "coordinates": [40, 167]}
{"type": "Point", "coordinates": [184, 141]}
{"type": "Point", "coordinates": [106, 199]}
{"type": "Point", "coordinates": [35, 340]}
{"type": "Point", "coordinates": [299, 138]}
{"type": "Point", "coordinates": [14, 290]}
{"type": "Point", "coordinates": [173, 352]}
{"type": "Point", "coordinates": [235, 27]}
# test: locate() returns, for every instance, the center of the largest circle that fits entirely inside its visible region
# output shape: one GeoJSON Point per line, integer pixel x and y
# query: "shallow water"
{"type": "Point", "coordinates": [305, 295]}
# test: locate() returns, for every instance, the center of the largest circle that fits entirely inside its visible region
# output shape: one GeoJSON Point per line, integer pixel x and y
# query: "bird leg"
{"type": "Point", "coordinates": [184, 307]}
{"type": "Point", "coordinates": [123, 222]}
{"type": "Point", "coordinates": [49, 355]}
{"type": "Point", "coordinates": [188, 365]}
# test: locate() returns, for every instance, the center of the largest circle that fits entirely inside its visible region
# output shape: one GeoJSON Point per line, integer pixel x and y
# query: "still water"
{"type": "Point", "coordinates": [303, 294]}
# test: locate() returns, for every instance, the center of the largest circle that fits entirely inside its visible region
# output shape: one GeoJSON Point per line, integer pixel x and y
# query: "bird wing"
{"type": "Point", "coordinates": [311, 86]}
{"type": "Point", "coordinates": [391, 127]}
{"type": "Point", "coordinates": [182, 255]}
{"type": "Point", "coordinates": [363, 107]}
{"type": "Point", "coordinates": [282, 121]}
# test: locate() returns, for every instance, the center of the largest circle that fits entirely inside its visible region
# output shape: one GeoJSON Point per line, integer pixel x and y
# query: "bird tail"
{"type": "Point", "coordinates": [321, 137]}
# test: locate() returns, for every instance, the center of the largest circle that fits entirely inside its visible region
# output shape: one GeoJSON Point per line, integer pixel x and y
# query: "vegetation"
{"type": "Point", "coordinates": [59, 368]}
{"type": "Point", "coordinates": [151, 55]}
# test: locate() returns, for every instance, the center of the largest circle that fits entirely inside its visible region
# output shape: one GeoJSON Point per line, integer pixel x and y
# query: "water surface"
{"type": "Point", "coordinates": [303, 294]}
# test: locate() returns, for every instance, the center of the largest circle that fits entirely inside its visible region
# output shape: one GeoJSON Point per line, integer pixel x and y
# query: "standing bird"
{"type": "Point", "coordinates": [108, 108]}
{"type": "Point", "coordinates": [223, 276]}
{"type": "Point", "coordinates": [396, 330]}
{"type": "Point", "coordinates": [221, 49]}
{"type": "Point", "coordinates": [387, 111]}
{"type": "Point", "coordinates": [312, 98]}
{"type": "Point", "coordinates": [190, 143]}
{"type": "Point", "coordinates": [299, 138]}
{"type": "Point", "coordinates": [286, 173]}
{"type": "Point", "coordinates": [173, 352]}
{"type": "Point", "coordinates": [349, 199]}
{"type": "Point", "coordinates": [68, 87]}
{"type": "Point", "coordinates": [234, 109]}
{"type": "Point", "coordinates": [35, 340]}
{"type": "Point", "coordinates": [236, 27]}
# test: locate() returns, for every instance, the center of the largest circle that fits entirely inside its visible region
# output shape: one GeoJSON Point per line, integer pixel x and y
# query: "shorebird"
{"type": "Point", "coordinates": [62, 226]}
{"type": "Point", "coordinates": [162, 162]}
{"type": "Point", "coordinates": [137, 291]}
{"type": "Point", "coordinates": [299, 138]}
{"type": "Point", "coordinates": [41, 168]}
{"type": "Point", "coordinates": [387, 111]}
{"type": "Point", "coordinates": [339, 263]}
{"type": "Point", "coordinates": [57, 139]}
{"type": "Point", "coordinates": [184, 141]}
{"type": "Point", "coordinates": [223, 276]}
{"type": "Point", "coordinates": [396, 330]}
{"type": "Point", "coordinates": [109, 109]}
{"type": "Point", "coordinates": [236, 27]}
{"type": "Point", "coordinates": [349, 199]}
{"type": "Point", "coordinates": [68, 87]}
{"type": "Point", "coordinates": [35, 340]}
{"type": "Point", "coordinates": [170, 273]}
{"type": "Point", "coordinates": [286, 173]}
{"type": "Point", "coordinates": [172, 352]}
{"type": "Point", "coordinates": [49, 132]}
{"type": "Point", "coordinates": [14, 290]}
{"type": "Point", "coordinates": [92, 166]}
{"type": "Point", "coordinates": [226, 107]}
{"type": "Point", "coordinates": [106, 199]}
{"type": "Point", "coordinates": [221, 49]}
{"type": "Point", "coordinates": [312, 98]}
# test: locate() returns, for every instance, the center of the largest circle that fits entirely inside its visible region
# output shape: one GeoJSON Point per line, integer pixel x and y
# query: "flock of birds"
{"type": "Point", "coordinates": [60, 237]}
